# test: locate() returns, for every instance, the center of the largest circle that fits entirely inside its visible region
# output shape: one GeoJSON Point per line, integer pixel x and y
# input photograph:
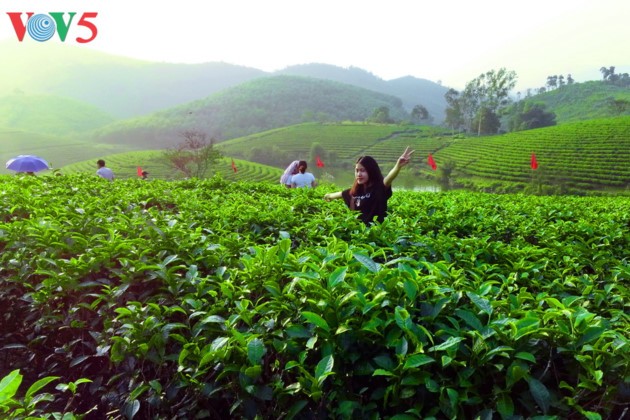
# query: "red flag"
{"type": "Point", "coordinates": [431, 162]}
{"type": "Point", "coordinates": [319, 163]}
{"type": "Point", "coordinates": [234, 166]}
{"type": "Point", "coordinates": [139, 171]}
{"type": "Point", "coordinates": [534, 162]}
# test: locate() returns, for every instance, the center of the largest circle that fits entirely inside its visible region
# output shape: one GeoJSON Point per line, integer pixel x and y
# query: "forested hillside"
{"type": "Point", "coordinates": [255, 106]}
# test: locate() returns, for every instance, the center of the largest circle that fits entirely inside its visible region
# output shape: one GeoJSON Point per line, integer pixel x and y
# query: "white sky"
{"type": "Point", "coordinates": [452, 41]}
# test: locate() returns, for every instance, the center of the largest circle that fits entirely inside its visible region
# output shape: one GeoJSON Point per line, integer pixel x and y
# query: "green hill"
{"type": "Point", "coordinates": [259, 105]}
{"type": "Point", "coordinates": [583, 101]}
{"type": "Point", "coordinates": [50, 114]}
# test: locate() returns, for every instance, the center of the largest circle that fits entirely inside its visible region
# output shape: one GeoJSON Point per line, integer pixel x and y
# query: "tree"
{"type": "Point", "coordinates": [486, 95]}
{"type": "Point", "coordinates": [194, 155]}
{"type": "Point", "coordinates": [454, 114]}
{"type": "Point", "coordinates": [487, 121]}
{"type": "Point", "coordinates": [618, 106]}
{"type": "Point", "coordinates": [381, 115]}
{"type": "Point", "coordinates": [528, 115]}
{"type": "Point", "coordinates": [419, 113]}
{"type": "Point", "coordinates": [608, 73]}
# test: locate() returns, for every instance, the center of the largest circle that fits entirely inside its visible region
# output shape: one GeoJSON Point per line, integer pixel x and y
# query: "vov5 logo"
{"type": "Point", "coordinates": [41, 27]}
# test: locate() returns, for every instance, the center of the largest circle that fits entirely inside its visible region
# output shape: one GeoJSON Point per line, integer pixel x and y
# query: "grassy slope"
{"type": "Point", "coordinates": [50, 114]}
{"type": "Point", "coordinates": [581, 101]}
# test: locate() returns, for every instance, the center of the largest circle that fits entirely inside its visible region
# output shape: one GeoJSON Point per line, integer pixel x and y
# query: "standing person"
{"type": "Point", "coordinates": [103, 171]}
{"type": "Point", "coordinates": [303, 178]}
{"type": "Point", "coordinates": [291, 170]}
{"type": "Point", "coordinates": [370, 191]}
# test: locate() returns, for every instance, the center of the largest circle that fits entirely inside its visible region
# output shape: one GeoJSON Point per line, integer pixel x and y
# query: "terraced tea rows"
{"type": "Point", "coordinates": [125, 165]}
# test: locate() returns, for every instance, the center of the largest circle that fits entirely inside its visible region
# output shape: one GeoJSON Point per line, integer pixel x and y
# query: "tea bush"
{"type": "Point", "coordinates": [210, 299]}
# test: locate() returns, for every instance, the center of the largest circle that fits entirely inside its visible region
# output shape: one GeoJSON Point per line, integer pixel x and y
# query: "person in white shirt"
{"type": "Point", "coordinates": [303, 178]}
{"type": "Point", "coordinates": [103, 171]}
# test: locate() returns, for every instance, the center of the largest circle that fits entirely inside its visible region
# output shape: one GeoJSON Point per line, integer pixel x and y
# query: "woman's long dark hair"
{"type": "Point", "coordinates": [302, 166]}
{"type": "Point", "coordinates": [375, 176]}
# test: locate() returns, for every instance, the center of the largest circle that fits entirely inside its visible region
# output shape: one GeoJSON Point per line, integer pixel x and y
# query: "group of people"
{"type": "Point", "coordinates": [369, 192]}
{"type": "Point", "coordinates": [295, 176]}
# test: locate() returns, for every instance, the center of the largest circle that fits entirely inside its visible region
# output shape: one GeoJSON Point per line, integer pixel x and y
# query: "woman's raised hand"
{"type": "Point", "coordinates": [405, 157]}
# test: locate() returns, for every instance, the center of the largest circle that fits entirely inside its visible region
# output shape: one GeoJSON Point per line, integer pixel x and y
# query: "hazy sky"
{"type": "Point", "coordinates": [441, 40]}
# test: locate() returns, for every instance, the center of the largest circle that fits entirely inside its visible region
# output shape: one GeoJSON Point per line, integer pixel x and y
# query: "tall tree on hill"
{"type": "Point", "coordinates": [381, 115]}
{"type": "Point", "coordinates": [485, 96]}
{"type": "Point", "coordinates": [419, 114]}
{"type": "Point", "coordinates": [193, 155]}
{"type": "Point", "coordinates": [526, 115]}
{"type": "Point", "coordinates": [454, 112]}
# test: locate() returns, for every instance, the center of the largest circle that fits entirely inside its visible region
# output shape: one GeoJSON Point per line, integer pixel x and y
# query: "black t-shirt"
{"type": "Point", "coordinates": [371, 202]}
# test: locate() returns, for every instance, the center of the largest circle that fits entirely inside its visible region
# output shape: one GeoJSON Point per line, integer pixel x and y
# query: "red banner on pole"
{"type": "Point", "coordinates": [534, 162]}
{"type": "Point", "coordinates": [431, 162]}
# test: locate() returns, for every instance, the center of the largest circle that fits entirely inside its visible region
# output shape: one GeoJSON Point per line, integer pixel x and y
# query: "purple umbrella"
{"type": "Point", "coordinates": [27, 163]}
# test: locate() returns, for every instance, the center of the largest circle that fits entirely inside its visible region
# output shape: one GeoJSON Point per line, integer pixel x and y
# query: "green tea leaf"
{"type": "Point", "coordinates": [295, 409]}
{"type": "Point", "coordinates": [411, 289]}
{"type": "Point", "coordinates": [255, 351]}
{"type": "Point", "coordinates": [367, 262]}
{"type": "Point", "coordinates": [417, 360]}
{"type": "Point", "coordinates": [526, 356]}
{"type": "Point", "coordinates": [9, 385]}
{"type": "Point", "coordinates": [383, 372]}
{"type": "Point", "coordinates": [450, 343]}
{"type": "Point", "coordinates": [526, 326]}
{"type": "Point", "coordinates": [540, 393]}
{"type": "Point", "coordinates": [324, 369]}
{"type": "Point", "coordinates": [505, 406]}
{"type": "Point", "coordinates": [481, 303]}
{"type": "Point", "coordinates": [131, 408]}
{"type": "Point", "coordinates": [313, 318]}
{"type": "Point", "coordinates": [590, 334]}
{"type": "Point", "coordinates": [337, 277]}
{"type": "Point", "coordinates": [39, 385]}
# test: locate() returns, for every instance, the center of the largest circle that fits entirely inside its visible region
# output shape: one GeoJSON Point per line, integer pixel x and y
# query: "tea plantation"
{"type": "Point", "coordinates": [215, 299]}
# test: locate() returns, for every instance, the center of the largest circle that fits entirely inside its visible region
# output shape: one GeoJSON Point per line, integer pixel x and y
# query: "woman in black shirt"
{"type": "Point", "coordinates": [370, 191]}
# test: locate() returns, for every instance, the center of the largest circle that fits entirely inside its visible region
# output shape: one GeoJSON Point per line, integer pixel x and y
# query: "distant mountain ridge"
{"type": "Point", "coordinates": [123, 87]}
{"type": "Point", "coordinates": [411, 90]}
{"type": "Point", "coordinates": [126, 87]}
